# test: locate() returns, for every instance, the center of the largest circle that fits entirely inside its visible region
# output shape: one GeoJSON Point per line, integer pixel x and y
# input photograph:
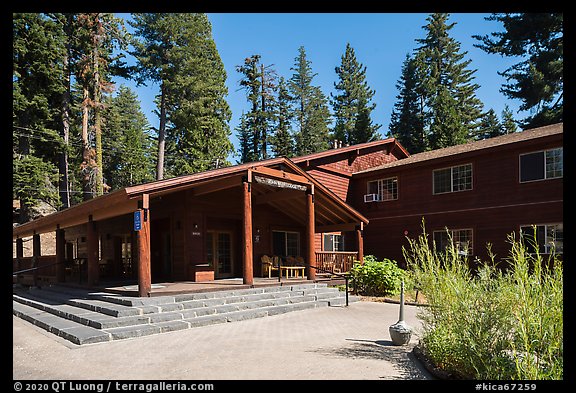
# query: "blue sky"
{"type": "Point", "coordinates": [380, 40]}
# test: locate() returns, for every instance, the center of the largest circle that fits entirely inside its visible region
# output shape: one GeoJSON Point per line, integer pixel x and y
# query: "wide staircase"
{"type": "Point", "coordinates": [85, 317]}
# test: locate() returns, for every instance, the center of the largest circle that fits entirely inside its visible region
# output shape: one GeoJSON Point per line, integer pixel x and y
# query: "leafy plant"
{"type": "Point", "coordinates": [494, 323]}
{"type": "Point", "coordinates": [376, 278]}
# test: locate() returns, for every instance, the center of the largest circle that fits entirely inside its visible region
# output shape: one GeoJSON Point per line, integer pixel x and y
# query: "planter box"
{"type": "Point", "coordinates": [203, 272]}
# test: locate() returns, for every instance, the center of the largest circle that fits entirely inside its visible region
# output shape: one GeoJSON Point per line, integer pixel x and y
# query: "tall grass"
{"type": "Point", "coordinates": [493, 322]}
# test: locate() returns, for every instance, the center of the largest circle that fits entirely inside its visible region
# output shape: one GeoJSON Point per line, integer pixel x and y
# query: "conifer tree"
{"type": "Point", "coordinates": [407, 119]}
{"type": "Point", "coordinates": [310, 108]}
{"type": "Point", "coordinates": [128, 157]}
{"type": "Point", "coordinates": [177, 51]}
{"type": "Point", "coordinates": [489, 126]}
{"type": "Point", "coordinates": [537, 79]}
{"type": "Point", "coordinates": [282, 142]}
{"type": "Point", "coordinates": [352, 104]}
{"type": "Point", "coordinates": [508, 122]}
{"type": "Point", "coordinates": [453, 110]}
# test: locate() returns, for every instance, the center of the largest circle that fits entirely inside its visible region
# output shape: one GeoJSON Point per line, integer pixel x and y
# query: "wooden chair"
{"type": "Point", "coordinates": [268, 265]}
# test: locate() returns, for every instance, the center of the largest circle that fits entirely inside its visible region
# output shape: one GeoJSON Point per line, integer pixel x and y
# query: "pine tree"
{"type": "Point", "coordinates": [407, 119]}
{"type": "Point", "coordinates": [259, 82]}
{"type": "Point", "coordinates": [178, 51]}
{"type": "Point", "coordinates": [311, 112]}
{"type": "Point", "coordinates": [508, 122]}
{"type": "Point", "coordinates": [128, 159]}
{"type": "Point", "coordinates": [453, 110]}
{"type": "Point", "coordinates": [282, 142]}
{"type": "Point", "coordinates": [37, 89]}
{"type": "Point", "coordinates": [537, 80]}
{"type": "Point", "coordinates": [352, 105]}
{"type": "Point", "coordinates": [489, 126]}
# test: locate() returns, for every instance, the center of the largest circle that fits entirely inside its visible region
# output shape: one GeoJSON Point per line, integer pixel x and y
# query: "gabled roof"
{"type": "Point", "coordinates": [125, 200]}
{"type": "Point", "coordinates": [515, 137]}
{"type": "Point", "coordinates": [351, 148]}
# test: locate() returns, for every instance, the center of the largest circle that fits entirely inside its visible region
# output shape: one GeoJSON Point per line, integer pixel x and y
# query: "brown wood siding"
{"type": "Point", "coordinates": [497, 204]}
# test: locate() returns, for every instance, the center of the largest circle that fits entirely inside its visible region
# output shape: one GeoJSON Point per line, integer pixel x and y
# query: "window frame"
{"type": "Point", "coordinates": [380, 188]}
{"type": "Point", "coordinates": [545, 245]}
{"type": "Point", "coordinates": [451, 168]}
{"type": "Point", "coordinates": [452, 231]}
{"type": "Point", "coordinates": [332, 238]}
{"type": "Point", "coordinates": [285, 232]}
{"type": "Point", "coordinates": [544, 151]}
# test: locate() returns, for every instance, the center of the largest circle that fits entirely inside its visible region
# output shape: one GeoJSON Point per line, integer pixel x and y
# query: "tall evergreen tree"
{"type": "Point", "coordinates": [407, 119]}
{"type": "Point", "coordinates": [489, 126]}
{"type": "Point", "coordinates": [352, 104]}
{"type": "Point", "coordinates": [128, 158]}
{"type": "Point", "coordinates": [447, 85]}
{"type": "Point", "coordinates": [282, 142]}
{"type": "Point", "coordinates": [259, 81]}
{"type": "Point", "coordinates": [37, 89]}
{"type": "Point", "coordinates": [311, 112]}
{"type": "Point", "coordinates": [537, 80]}
{"type": "Point", "coordinates": [508, 122]}
{"type": "Point", "coordinates": [178, 51]}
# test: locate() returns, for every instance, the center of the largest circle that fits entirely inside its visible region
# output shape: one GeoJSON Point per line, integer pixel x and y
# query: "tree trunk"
{"type": "Point", "coordinates": [87, 188]}
{"type": "Point", "coordinates": [64, 186]}
{"type": "Point", "coordinates": [96, 107]}
{"type": "Point", "coordinates": [161, 135]}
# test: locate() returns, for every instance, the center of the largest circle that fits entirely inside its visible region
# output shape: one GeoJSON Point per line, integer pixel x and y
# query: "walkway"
{"type": "Point", "coordinates": [327, 343]}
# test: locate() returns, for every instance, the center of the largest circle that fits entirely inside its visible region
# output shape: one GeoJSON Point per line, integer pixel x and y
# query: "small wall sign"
{"type": "Point", "coordinates": [137, 220]}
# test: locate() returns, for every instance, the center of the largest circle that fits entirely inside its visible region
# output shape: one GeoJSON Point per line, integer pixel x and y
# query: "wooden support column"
{"type": "Point", "coordinates": [360, 242]}
{"type": "Point", "coordinates": [60, 255]}
{"type": "Point", "coordinates": [143, 236]}
{"type": "Point", "coordinates": [19, 255]}
{"type": "Point", "coordinates": [93, 267]}
{"type": "Point", "coordinates": [36, 252]}
{"type": "Point", "coordinates": [310, 230]}
{"type": "Point", "coordinates": [247, 254]}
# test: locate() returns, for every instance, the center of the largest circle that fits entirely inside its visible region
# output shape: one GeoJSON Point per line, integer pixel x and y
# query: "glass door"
{"type": "Point", "coordinates": [219, 253]}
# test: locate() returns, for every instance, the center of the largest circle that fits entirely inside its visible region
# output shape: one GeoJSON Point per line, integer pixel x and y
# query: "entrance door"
{"type": "Point", "coordinates": [219, 253]}
{"type": "Point", "coordinates": [161, 250]}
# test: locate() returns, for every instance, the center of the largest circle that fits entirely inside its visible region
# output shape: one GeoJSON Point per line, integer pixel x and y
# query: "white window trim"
{"type": "Point", "coordinates": [545, 177]}
{"type": "Point", "coordinates": [452, 236]}
{"type": "Point", "coordinates": [381, 181]}
{"type": "Point", "coordinates": [546, 247]}
{"type": "Point", "coordinates": [452, 179]}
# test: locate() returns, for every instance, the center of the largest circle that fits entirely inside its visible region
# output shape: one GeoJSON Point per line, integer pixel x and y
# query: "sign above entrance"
{"type": "Point", "coordinates": [279, 183]}
{"type": "Point", "coordinates": [137, 220]}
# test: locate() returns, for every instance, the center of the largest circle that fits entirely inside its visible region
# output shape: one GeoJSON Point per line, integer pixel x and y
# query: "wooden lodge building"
{"type": "Point", "coordinates": [328, 208]}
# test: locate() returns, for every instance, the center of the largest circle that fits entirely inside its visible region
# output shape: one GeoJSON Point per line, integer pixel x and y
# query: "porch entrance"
{"type": "Point", "coordinates": [161, 250]}
{"type": "Point", "coordinates": [219, 252]}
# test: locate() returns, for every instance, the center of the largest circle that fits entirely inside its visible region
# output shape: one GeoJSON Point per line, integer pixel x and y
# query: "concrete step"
{"type": "Point", "coordinates": [84, 317]}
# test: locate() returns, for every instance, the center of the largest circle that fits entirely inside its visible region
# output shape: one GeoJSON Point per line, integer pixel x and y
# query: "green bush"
{"type": "Point", "coordinates": [376, 278]}
{"type": "Point", "coordinates": [494, 323]}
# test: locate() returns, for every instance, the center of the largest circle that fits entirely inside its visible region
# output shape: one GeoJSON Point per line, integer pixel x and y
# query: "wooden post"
{"type": "Point", "coordinates": [247, 255]}
{"type": "Point", "coordinates": [36, 252]}
{"type": "Point", "coordinates": [60, 255]}
{"type": "Point", "coordinates": [93, 267]}
{"type": "Point", "coordinates": [19, 255]}
{"type": "Point", "coordinates": [360, 242]}
{"type": "Point", "coordinates": [143, 235]}
{"type": "Point", "coordinates": [310, 230]}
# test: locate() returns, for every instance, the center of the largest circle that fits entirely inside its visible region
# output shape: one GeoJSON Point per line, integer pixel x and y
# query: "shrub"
{"type": "Point", "coordinates": [376, 278]}
{"type": "Point", "coordinates": [494, 324]}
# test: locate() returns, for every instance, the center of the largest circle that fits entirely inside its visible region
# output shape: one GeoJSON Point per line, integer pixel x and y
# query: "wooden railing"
{"type": "Point", "coordinates": [336, 261]}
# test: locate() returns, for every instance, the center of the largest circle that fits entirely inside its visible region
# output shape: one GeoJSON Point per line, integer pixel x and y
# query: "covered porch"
{"type": "Point", "coordinates": [205, 227]}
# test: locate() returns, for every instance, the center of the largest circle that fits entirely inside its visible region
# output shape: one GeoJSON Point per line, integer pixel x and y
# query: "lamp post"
{"type": "Point", "coordinates": [400, 332]}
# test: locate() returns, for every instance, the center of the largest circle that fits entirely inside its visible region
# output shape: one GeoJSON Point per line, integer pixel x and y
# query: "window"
{"type": "Point", "coordinates": [385, 189]}
{"type": "Point", "coordinates": [461, 238]}
{"type": "Point", "coordinates": [333, 242]}
{"type": "Point", "coordinates": [549, 237]}
{"type": "Point", "coordinates": [542, 165]}
{"type": "Point", "coordinates": [453, 179]}
{"type": "Point", "coordinates": [285, 243]}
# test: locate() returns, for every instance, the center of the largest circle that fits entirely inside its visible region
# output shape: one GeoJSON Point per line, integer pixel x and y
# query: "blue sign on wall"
{"type": "Point", "coordinates": [137, 221]}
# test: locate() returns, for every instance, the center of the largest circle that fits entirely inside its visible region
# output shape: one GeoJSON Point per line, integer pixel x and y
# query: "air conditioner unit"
{"type": "Point", "coordinates": [371, 198]}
